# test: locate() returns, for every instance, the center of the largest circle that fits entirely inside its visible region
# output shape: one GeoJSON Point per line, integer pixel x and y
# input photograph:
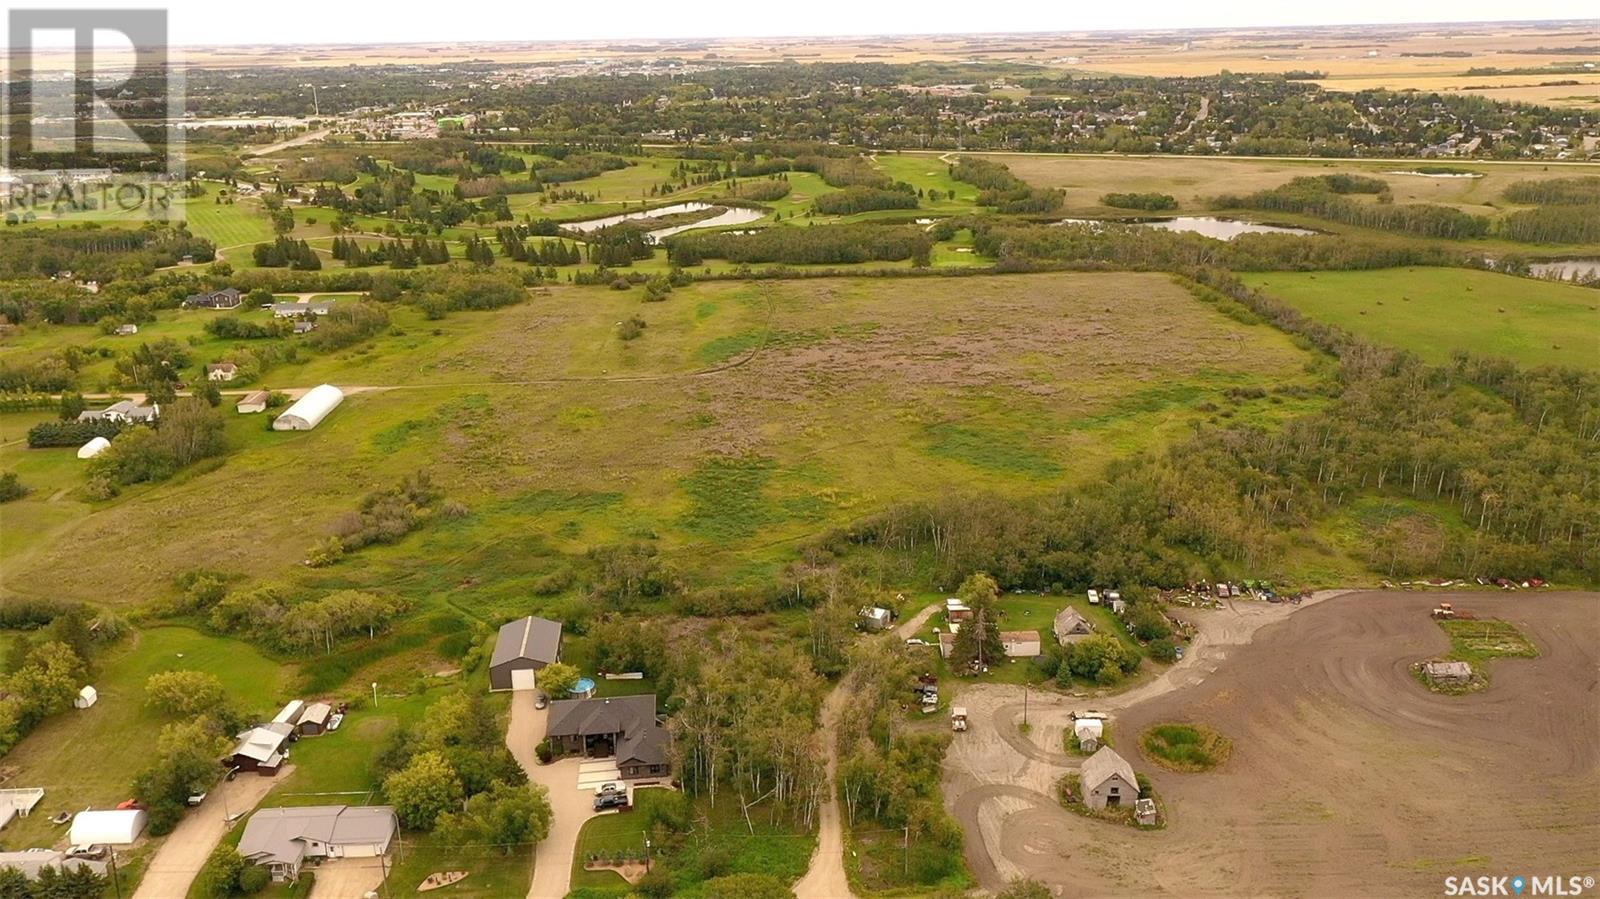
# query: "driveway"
{"type": "Point", "coordinates": [347, 878]}
{"type": "Point", "coordinates": [180, 858]}
{"type": "Point", "coordinates": [569, 806]}
{"type": "Point", "coordinates": [825, 878]}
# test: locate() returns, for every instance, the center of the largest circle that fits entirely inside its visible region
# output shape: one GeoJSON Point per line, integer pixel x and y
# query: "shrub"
{"type": "Point", "coordinates": [10, 487]}
{"type": "Point", "coordinates": [1148, 201]}
{"type": "Point", "coordinates": [1186, 747]}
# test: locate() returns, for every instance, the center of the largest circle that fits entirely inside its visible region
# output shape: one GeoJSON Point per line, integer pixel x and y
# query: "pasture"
{"type": "Point", "coordinates": [746, 419]}
{"type": "Point", "coordinates": [1436, 311]}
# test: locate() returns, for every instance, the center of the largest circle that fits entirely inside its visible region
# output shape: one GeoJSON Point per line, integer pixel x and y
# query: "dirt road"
{"type": "Point", "coordinates": [180, 858]}
{"type": "Point", "coordinates": [1347, 777]}
{"type": "Point", "coordinates": [297, 141]}
{"type": "Point", "coordinates": [825, 878]}
{"type": "Point", "coordinates": [570, 807]}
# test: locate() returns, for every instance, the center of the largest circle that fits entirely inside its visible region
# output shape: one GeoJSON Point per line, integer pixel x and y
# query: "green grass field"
{"type": "Point", "coordinates": [1434, 312]}
{"type": "Point", "coordinates": [89, 758]}
{"type": "Point", "coordinates": [747, 418]}
{"type": "Point", "coordinates": [721, 839]}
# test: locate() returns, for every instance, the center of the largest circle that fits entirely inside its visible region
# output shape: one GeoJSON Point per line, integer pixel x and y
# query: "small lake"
{"type": "Point", "coordinates": [731, 215]}
{"type": "Point", "coordinates": [1566, 269]}
{"type": "Point", "coordinates": [1209, 226]}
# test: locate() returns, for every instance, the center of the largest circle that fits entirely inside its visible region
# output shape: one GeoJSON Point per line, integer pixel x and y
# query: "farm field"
{"type": "Point", "coordinates": [1435, 312]}
{"type": "Point", "coordinates": [746, 418]}
{"type": "Point", "coordinates": [1194, 179]}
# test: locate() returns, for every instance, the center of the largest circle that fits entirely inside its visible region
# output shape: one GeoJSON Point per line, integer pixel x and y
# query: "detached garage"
{"type": "Point", "coordinates": [109, 827]}
{"type": "Point", "coordinates": [523, 647]}
{"type": "Point", "coordinates": [309, 410]}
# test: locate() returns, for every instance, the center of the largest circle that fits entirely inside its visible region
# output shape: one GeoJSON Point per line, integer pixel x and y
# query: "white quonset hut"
{"type": "Point", "coordinates": [107, 827]}
{"type": "Point", "coordinates": [309, 410]}
{"type": "Point", "coordinates": [93, 448]}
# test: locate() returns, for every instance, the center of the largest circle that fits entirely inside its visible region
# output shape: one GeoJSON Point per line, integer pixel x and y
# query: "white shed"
{"type": "Point", "coordinates": [93, 448]}
{"type": "Point", "coordinates": [309, 410]}
{"type": "Point", "coordinates": [107, 827]}
{"type": "Point", "coordinates": [88, 696]}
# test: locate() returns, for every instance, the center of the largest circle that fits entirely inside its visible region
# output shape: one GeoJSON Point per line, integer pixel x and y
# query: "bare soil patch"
{"type": "Point", "coordinates": [1346, 778]}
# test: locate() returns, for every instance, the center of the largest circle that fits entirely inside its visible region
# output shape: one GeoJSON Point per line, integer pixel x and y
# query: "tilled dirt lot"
{"type": "Point", "coordinates": [1347, 777]}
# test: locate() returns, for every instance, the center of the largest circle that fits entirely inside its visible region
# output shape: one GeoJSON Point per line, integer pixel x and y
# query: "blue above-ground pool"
{"type": "Point", "coordinates": [584, 688]}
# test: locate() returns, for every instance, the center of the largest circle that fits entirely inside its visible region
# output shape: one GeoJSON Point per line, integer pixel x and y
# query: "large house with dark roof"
{"type": "Point", "coordinates": [226, 298]}
{"type": "Point", "coordinates": [620, 726]}
{"type": "Point", "coordinates": [523, 647]}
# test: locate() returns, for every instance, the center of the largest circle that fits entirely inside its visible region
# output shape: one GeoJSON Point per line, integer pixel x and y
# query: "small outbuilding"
{"type": "Point", "coordinates": [1021, 644]}
{"type": "Point", "coordinates": [309, 410]}
{"type": "Point", "coordinates": [1090, 733]}
{"type": "Point", "coordinates": [86, 697]}
{"type": "Point", "coordinates": [314, 720]}
{"type": "Point", "coordinates": [262, 749]}
{"type": "Point", "coordinates": [956, 610]}
{"type": "Point", "coordinates": [875, 618]}
{"type": "Point", "coordinates": [107, 827]}
{"type": "Point", "coordinates": [522, 648]}
{"type": "Point", "coordinates": [253, 402]}
{"type": "Point", "coordinates": [1441, 672]}
{"type": "Point", "coordinates": [1070, 625]}
{"type": "Point", "coordinates": [93, 448]}
{"type": "Point", "coordinates": [1144, 812]}
{"type": "Point", "coordinates": [1107, 780]}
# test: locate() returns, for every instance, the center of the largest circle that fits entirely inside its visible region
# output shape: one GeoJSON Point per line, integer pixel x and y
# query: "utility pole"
{"type": "Point", "coordinates": [115, 883]}
{"type": "Point", "coordinates": [906, 850]}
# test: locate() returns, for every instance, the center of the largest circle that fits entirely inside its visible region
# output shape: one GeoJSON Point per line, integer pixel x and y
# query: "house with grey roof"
{"type": "Point", "coordinates": [126, 411]}
{"type": "Point", "coordinates": [523, 647]}
{"type": "Point", "coordinates": [295, 310]}
{"type": "Point", "coordinates": [226, 298]}
{"type": "Point", "coordinates": [32, 861]}
{"type": "Point", "coordinates": [621, 726]}
{"type": "Point", "coordinates": [262, 749]}
{"type": "Point", "coordinates": [1070, 625]}
{"type": "Point", "coordinates": [284, 839]}
{"type": "Point", "coordinates": [1107, 779]}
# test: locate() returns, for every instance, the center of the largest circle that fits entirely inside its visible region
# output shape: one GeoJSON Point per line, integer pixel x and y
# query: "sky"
{"type": "Point", "coordinates": [304, 22]}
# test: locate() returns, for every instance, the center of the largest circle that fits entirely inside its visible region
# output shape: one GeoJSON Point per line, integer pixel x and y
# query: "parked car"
{"type": "Point", "coordinates": [90, 852]}
{"type": "Point", "coordinates": [1094, 597]}
{"type": "Point", "coordinates": [610, 800]}
{"type": "Point", "coordinates": [916, 641]}
{"type": "Point", "coordinates": [613, 786]}
{"type": "Point", "coordinates": [540, 701]}
{"type": "Point", "coordinates": [195, 799]}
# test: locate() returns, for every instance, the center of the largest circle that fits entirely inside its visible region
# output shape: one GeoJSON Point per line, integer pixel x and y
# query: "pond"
{"type": "Point", "coordinates": [731, 215]}
{"type": "Point", "coordinates": [1566, 269]}
{"type": "Point", "coordinates": [1209, 226]}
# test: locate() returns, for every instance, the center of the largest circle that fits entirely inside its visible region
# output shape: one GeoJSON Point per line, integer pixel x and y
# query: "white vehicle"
{"type": "Point", "coordinates": [335, 721]}
{"type": "Point", "coordinates": [612, 786]}
{"type": "Point", "coordinates": [916, 641]}
{"type": "Point", "coordinates": [1113, 596]}
{"type": "Point", "coordinates": [1094, 597]}
{"type": "Point", "coordinates": [958, 718]}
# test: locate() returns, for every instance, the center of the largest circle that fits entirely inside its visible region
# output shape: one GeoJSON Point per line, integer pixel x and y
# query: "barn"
{"type": "Point", "coordinates": [523, 647]}
{"type": "Point", "coordinates": [309, 410]}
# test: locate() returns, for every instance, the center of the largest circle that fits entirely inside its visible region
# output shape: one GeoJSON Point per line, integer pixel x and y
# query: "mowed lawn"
{"type": "Point", "coordinates": [746, 419]}
{"type": "Point", "coordinates": [1434, 312]}
{"type": "Point", "coordinates": [88, 758]}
